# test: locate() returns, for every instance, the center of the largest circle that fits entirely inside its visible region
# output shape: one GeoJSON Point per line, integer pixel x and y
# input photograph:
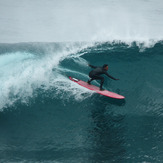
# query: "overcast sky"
{"type": "Point", "coordinates": [85, 20]}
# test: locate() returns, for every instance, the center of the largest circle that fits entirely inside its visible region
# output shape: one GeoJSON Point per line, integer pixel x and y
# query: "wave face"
{"type": "Point", "coordinates": [44, 117]}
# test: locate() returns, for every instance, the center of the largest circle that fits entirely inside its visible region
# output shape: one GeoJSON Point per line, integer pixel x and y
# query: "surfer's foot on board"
{"type": "Point", "coordinates": [101, 89]}
{"type": "Point", "coordinates": [88, 82]}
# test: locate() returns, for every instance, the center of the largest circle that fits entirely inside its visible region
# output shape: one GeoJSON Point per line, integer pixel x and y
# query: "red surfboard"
{"type": "Point", "coordinates": [96, 89]}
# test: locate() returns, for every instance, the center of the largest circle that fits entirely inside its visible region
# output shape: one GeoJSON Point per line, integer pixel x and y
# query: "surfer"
{"type": "Point", "coordinates": [95, 74]}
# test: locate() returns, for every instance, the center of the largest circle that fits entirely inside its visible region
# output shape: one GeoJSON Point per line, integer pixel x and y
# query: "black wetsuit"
{"type": "Point", "coordinates": [95, 75]}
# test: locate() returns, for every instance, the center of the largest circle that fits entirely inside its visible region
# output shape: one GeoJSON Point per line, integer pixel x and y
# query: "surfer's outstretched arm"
{"type": "Point", "coordinates": [110, 76]}
{"type": "Point", "coordinates": [92, 66]}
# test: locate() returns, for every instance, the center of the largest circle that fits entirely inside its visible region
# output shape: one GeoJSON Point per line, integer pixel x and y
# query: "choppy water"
{"type": "Point", "coordinates": [46, 117]}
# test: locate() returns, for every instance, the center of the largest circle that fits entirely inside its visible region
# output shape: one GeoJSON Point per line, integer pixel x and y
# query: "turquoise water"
{"type": "Point", "coordinates": [44, 117]}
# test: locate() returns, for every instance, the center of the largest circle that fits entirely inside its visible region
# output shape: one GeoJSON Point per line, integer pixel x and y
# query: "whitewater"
{"type": "Point", "coordinates": [45, 117]}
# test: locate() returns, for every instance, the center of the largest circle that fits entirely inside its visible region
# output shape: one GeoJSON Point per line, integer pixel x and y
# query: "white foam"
{"type": "Point", "coordinates": [21, 74]}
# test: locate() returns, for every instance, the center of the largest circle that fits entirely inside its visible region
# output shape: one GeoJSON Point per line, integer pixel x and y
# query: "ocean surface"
{"type": "Point", "coordinates": [45, 117]}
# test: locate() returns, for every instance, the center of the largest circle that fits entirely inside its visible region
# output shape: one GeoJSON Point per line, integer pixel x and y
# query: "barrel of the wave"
{"type": "Point", "coordinates": [96, 89]}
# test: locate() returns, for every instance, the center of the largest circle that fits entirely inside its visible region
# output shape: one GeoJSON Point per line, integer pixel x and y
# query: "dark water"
{"type": "Point", "coordinates": [44, 117]}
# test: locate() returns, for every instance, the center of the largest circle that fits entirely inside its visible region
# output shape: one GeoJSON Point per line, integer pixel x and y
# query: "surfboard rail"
{"type": "Point", "coordinates": [96, 89]}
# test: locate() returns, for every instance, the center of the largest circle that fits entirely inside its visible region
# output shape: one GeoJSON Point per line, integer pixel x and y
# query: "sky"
{"type": "Point", "coordinates": [85, 20]}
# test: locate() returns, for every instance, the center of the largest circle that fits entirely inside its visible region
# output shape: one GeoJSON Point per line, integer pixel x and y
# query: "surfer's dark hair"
{"type": "Point", "coordinates": [105, 65]}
